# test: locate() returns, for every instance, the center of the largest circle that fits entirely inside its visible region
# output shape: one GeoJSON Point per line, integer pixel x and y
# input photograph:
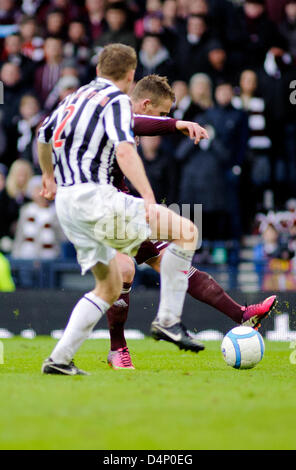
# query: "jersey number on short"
{"type": "Point", "coordinates": [57, 142]}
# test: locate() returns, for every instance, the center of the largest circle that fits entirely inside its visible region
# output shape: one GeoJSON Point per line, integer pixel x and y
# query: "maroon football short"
{"type": "Point", "coordinates": [150, 249]}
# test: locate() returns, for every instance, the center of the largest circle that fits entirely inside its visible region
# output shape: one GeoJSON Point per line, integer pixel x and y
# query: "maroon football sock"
{"type": "Point", "coordinates": [203, 287]}
{"type": "Point", "coordinates": [117, 316]}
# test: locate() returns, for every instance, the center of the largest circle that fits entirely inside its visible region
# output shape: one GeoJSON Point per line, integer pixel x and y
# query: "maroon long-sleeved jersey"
{"type": "Point", "coordinates": [148, 126]}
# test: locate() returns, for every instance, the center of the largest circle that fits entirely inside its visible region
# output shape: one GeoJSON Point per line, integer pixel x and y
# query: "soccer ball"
{"type": "Point", "coordinates": [242, 347]}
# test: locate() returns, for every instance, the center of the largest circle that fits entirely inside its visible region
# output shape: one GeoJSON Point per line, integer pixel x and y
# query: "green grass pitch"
{"type": "Point", "coordinates": [173, 400]}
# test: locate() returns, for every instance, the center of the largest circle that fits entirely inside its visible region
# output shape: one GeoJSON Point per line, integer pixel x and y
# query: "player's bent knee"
{"type": "Point", "coordinates": [108, 292]}
{"type": "Point", "coordinates": [189, 235]}
{"type": "Point", "coordinates": [128, 271]}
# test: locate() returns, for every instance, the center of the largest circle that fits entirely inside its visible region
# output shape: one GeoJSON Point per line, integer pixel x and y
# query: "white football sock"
{"type": "Point", "coordinates": [85, 315]}
{"type": "Point", "coordinates": [175, 264]}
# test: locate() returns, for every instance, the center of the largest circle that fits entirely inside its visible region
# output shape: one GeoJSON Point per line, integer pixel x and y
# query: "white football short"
{"type": "Point", "coordinates": [99, 220]}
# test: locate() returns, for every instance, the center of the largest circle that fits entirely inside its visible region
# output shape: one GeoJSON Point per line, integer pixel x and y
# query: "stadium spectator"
{"type": "Point", "coordinates": [182, 100]}
{"type": "Point", "coordinates": [154, 58]}
{"type": "Point", "coordinates": [13, 196]}
{"type": "Point", "coordinates": [169, 15]}
{"type": "Point", "coordinates": [3, 140]}
{"type": "Point", "coordinates": [218, 66]}
{"type": "Point", "coordinates": [117, 17]}
{"type": "Point", "coordinates": [288, 27]}
{"type": "Point", "coordinates": [256, 174]}
{"type": "Point", "coordinates": [77, 46]}
{"type": "Point", "coordinates": [201, 91]}
{"type": "Point", "coordinates": [275, 77]}
{"type": "Point", "coordinates": [191, 52]}
{"type": "Point", "coordinates": [32, 41]}
{"type": "Point", "coordinates": [30, 116]}
{"type": "Point", "coordinates": [38, 233]}
{"type": "Point", "coordinates": [3, 173]}
{"type": "Point", "coordinates": [12, 52]}
{"type": "Point", "coordinates": [95, 17]}
{"type": "Point", "coordinates": [141, 25]}
{"type": "Point", "coordinates": [250, 34]}
{"type": "Point", "coordinates": [274, 255]}
{"type": "Point", "coordinates": [231, 127]}
{"type": "Point", "coordinates": [9, 13]}
{"type": "Point", "coordinates": [71, 9]}
{"type": "Point", "coordinates": [203, 178]}
{"type": "Point", "coordinates": [47, 74]}
{"type": "Point", "coordinates": [13, 91]}
{"type": "Point", "coordinates": [275, 9]}
{"type": "Point", "coordinates": [55, 24]}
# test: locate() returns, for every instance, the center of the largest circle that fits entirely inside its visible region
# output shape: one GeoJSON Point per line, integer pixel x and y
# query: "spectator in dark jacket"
{"type": "Point", "coordinates": [203, 182]}
{"type": "Point", "coordinates": [191, 52]}
{"type": "Point", "coordinates": [13, 91]}
{"type": "Point", "coordinates": [154, 58]}
{"type": "Point", "coordinates": [251, 34]}
{"type": "Point", "coordinates": [288, 27]}
{"type": "Point", "coordinates": [12, 52]}
{"type": "Point", "coordinates": [231, 126]}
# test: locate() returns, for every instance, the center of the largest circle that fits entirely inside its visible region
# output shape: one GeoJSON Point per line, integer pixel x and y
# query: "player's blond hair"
{"type": "Point", "coordinates": [154, 87]}
{"type": "Point", "coordinates": [116, 60]}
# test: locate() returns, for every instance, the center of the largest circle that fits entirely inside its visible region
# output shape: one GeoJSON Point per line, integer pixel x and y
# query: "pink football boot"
{"type": "Point", "coordinates": [120, 359]}
{"type": "Point", "coordinates": [254, 314]}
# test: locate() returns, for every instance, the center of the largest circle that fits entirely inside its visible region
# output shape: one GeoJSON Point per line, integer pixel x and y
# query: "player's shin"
{"type": "Point", "coordinates": [117, 316]}
{"type": "Point", "coordinates": [86, 313]}
{"type": "Point", "coordinates": [174, 268]}
{"type": "Point", "coordinates": [202, 287]}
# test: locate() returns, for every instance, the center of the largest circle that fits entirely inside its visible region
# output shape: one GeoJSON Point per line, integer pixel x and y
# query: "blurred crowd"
{"type": "Point", "coordinates": [232, 66]}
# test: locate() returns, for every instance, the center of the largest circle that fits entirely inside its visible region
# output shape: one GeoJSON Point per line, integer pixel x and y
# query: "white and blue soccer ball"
{"type": "Point", "coordinates": [242, 347]}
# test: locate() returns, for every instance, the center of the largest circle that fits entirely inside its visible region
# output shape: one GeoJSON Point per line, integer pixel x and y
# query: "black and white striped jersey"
{"type": "Point", "coordinates": [84, 131]}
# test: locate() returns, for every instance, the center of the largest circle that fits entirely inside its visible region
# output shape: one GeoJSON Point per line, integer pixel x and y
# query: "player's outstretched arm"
{"type": "Point", "coordinates": [156, 125]}
{"type": "Point", "coordinates": [193, 130]}
{"type": "Point", "coordinates": [49, 187]}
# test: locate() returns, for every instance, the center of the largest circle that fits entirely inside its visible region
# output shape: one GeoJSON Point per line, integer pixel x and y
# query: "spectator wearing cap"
{"type": "Point", "coordinates": [219, 67]}
{"type": "Point", "coordinates": [154, 58]}
{"type": "Point", "coordinates": [191, 52]}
